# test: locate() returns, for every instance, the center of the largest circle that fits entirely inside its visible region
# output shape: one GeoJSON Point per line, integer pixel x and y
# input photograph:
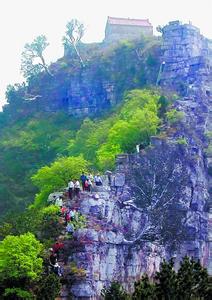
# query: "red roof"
{"type": "Point", "coordinates": [132, 22]}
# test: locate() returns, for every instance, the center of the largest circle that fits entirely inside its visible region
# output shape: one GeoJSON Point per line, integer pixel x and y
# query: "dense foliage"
{"type": "Point", "coordinates": [26, 146]}
{"type": "Point", "coordinates": [19, 257]}
{"type": "Point", "coordinates": [20, 263]}
{"type": "Point", "coordinates": [134, 122]}
{"type": "Point", "coordinates": [22, 273]}
{"type": "Point", "coordinates": [42, 222]}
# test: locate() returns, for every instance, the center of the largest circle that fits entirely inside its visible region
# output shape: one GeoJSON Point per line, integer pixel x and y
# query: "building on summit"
{"type": "Point", "coordinates": [126, 29]}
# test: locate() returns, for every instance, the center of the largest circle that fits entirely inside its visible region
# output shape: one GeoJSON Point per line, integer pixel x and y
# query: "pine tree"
{"type": "Point", "coordinates": [166, 281]}
{"type": "Point", "coordinates": [193, 280]}
{"type": "Point", "coordinates": [114, 292]}
{"type": "Point", "coordinates": [144, 289]}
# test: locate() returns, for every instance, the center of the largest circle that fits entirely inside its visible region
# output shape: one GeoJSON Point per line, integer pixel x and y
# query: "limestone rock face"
{"type": "Point", "coordinates": [103, 254]}
{"type": "Point", "coordinates": [158, 205]}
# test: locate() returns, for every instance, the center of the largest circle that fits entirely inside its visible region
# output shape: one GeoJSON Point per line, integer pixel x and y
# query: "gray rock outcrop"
{"type": "Point", "coordinates": [159, 203]}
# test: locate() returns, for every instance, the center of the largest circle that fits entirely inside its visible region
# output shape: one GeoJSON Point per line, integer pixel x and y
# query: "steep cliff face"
{"type": "Point", "coordinates": [101, 82]}
{"type": "Point", "coordinates": [159, 203]}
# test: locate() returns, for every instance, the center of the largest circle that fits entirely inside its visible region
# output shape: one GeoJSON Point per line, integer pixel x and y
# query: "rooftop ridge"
{"type": "Point", "coordinates": [128, 21]}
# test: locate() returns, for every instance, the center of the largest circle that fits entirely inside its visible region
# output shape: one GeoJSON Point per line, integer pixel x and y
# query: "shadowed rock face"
{"type": "Point", "coordinates": [159, 203]}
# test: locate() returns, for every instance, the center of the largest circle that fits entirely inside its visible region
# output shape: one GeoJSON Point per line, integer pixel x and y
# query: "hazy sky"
{"type": "Point", "coordinates": [22, 20]}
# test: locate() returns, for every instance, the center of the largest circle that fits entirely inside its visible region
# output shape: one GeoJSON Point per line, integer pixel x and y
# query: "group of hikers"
{"type": "Point", "coordinates": [87, 182]}
{"type": "Point", "coordinates": [70, 215]}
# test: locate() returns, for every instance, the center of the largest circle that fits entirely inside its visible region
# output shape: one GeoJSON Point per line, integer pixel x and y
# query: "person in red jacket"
{"type": "Point", "coordinates": [57, 247]}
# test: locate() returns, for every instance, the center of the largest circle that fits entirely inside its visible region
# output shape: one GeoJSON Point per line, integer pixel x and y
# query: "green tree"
{"type": "Point", "coordinates": [193, 280]}
{"type": "Point", "coordinates": [43, 223]}
{"type": "Point", "coordinates": [33, 62]}
{"type": "Point", "coordinates": [20, 265]}
{"type": "Point", "coordinates": [136, 122]}
{"type": "Point", "coordinates": [91, 136]}
{"type": "Point", "coordinates": [20, 257]}
{"type": "Point", "coordinates": [106, 155]}
{"type": "Point", "coordinates": [114, 292]}
{"type": "Point", "coordinates": [78, 144]}
{"type": "Point", "coordinates": [56, 176]}
{"type": "Point", "coordinates": [144, 289]}
{"type": "Point", "coordinates": [49, 226]}
{"type": "Point", "coordinates": [166, 281]}
{"type": "Point", "coordinates": [48, 287]}
{"type": "Point", "coordinates": [17, 294]}
{"type": "Point", "coordinates": [163, 105]}
{"type": "Point", "coordinates": [124, 134]}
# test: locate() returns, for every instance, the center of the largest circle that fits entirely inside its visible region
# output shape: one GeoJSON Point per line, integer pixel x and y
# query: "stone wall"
{"type": "Point", "coordinates": [187, 57]}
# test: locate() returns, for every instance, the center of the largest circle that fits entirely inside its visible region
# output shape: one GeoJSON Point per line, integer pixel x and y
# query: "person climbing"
{"type": "Point", "coordinates": [67, 217]}
{"type": "Point", "coordinates": [57, 247]}
{"type": "Point", "coordinates": [70, 189]}
{"type": "Point", "coordinates": [83, 179]}
{"type": "Point", "coordinates": [98, 180]}
{"type": "Point", "coordinates": [54, 263]}
{"type": "Point", "coordinates": [52, 257]}
{"type": "Point", "coordinates": [63, 211]}
{"type": "Point", "coordinates": [89, 187]}
{"type": "Point", "coordinates": [77, 188]}
{"type": "Point", "coordinates": [86, 184]}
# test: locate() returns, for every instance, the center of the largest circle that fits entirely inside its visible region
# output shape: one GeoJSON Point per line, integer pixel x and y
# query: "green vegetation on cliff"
{"type": "Point", "coordinates": [25, 146]}
{"type": "Point", "coordinates": [133, 123]}
{"type": "Point", "coordinates": [33, 142]}
{"type": "Point", "coordinates": [36, 129]}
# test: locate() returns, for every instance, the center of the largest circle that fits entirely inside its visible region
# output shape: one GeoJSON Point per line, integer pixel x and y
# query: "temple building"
{"type": "Point", "coordinates": [126, 29]}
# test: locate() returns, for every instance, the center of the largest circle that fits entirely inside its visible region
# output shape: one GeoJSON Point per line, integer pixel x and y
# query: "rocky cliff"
{"type": "Point", "coordinates": [158, 205]}
{"type": "Point", "coordinates": [93, 88]}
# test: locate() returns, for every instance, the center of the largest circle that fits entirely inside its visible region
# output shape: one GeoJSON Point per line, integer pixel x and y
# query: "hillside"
{"type": "Point", "coordinates": [35, 132]}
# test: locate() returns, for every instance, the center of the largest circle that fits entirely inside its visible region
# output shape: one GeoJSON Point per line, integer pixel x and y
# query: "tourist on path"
{"type": "Point", "coordinates": [83, 179]}
{"type": "Point", "coordinates": [71, 189]}
{"type": "Point", "coordinates": [89, 185]}
{"type": "Point", "coordinates": [98, 180]}
{"type": "Point", "coordinates": [77, 188]}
